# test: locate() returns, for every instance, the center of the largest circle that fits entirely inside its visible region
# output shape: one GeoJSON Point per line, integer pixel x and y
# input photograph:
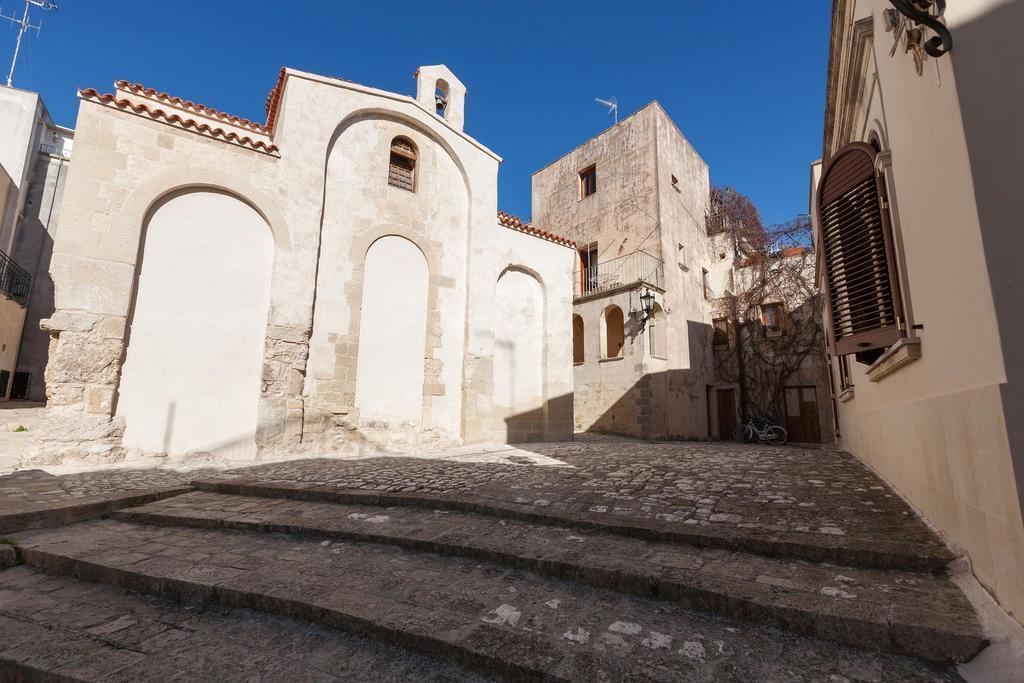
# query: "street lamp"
{"type": "Point", "coordinates": [647, 303]}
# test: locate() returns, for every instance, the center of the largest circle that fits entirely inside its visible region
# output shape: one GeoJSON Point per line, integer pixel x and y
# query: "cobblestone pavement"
{"type": "Point", "coordinates": [457, 608]}
{"type": "Point", "coordinates": [61, 626]}
{"type": "Point", "coordinates": [816, 495]}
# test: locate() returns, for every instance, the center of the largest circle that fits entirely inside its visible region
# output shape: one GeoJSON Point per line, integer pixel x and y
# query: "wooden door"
{"type": "Point", "coordinates": [802, 421]}
{"type": "Point", "coordinates": [726, 413]}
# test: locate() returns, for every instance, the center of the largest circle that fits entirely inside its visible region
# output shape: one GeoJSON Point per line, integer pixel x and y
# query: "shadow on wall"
{"type": "Point", "coordinates": [33, 250]}
{"type": "Point", "coordinates": [550, 422]}
{"type": "Point", "coordinates": [991, 100]}
{"type": "Point", "coordinates": [668, 404]}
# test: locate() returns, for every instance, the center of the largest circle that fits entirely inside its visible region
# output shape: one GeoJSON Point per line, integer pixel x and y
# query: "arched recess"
{"type": "Point", "coordinates": [518, 364]}
{"type": "Point", "coordinates": [578, 340]}
{"type": "Point", "coordinates": [613, 332]}
{"type": "Point", "coordinates": [656, 329]}
{"type": "Point", "coordinates": [140, 203]}
{"type": "Point", "coordinates": [191, 377]}
{"type": "Point", "coordinates": [392, 331]}
{"type": "Point", "coordinates": [437, 218]}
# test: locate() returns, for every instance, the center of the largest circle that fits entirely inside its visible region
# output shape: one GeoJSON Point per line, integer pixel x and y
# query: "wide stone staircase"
{"type": "Point", "coordinates": [251, 580]}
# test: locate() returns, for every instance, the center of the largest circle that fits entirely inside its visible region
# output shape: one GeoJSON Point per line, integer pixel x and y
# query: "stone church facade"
{"type": "Point", "coordinates": [337, 277]}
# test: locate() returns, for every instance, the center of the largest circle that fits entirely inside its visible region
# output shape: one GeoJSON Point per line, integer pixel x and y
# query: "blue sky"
{"type": "Point", "coordinates": [744, 81]}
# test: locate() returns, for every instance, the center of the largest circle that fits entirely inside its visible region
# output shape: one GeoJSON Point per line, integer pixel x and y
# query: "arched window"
{"type": "Point", "coordinates": [441, 91]}
{"type": "Point", "coordinates": [402, 169]}
{"type": "Point", "coordinates": [860, 267]}
{"type": "Point", "coordinates": [613, 330]}
{"type": "Point", "coordinates": [577, 339]}
{"type": "Point", "coordinates": [656, 332]}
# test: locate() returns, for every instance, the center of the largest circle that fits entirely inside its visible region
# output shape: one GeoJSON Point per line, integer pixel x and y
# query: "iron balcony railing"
{"type": "Point", "coordinates": [636, 267]}
{"type": "Point", "coordinates": [14, 280]}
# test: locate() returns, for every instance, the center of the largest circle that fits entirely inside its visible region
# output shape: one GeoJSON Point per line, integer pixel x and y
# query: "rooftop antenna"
{"type": "Point", "coordinates": [24, 25]}
{"type": "Point", "coordinates": [612, 104]}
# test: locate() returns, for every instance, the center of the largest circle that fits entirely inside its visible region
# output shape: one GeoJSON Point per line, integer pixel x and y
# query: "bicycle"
{"type": "Point", "coordinates": [776, 435]}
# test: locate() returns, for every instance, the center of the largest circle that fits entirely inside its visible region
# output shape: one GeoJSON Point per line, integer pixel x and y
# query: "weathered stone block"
{"type": "Point", "coordinates": [71, 321]}
{"type": "Point", "coordinates": [111, 327]}
{"type": "Point", "coordinates": [98, 399]}
{"type": "Point", "coordinates": [85, 358]}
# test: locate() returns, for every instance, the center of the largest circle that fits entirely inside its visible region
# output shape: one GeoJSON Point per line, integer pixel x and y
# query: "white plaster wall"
{"type": "Point", "coordinates": [19, 110]}
{"type": "Point", "coordinates": [518, 343]}
{"type": "Point", "coordinates": [191, 378]}
{"type": "Point", "coordinates": [359, 205]}
{"type": "Point", "coordinates": [502, 253]}
{"type": "Point", "coordinates": [392, 331]}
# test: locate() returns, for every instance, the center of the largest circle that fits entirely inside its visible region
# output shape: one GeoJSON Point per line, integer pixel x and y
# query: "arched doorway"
{"type": "Point", "coordinates": [392, 331]}
{"type": "Point", "coordinates": [518, 344]}
{"type": "Point", "coordinates": [191, 377]}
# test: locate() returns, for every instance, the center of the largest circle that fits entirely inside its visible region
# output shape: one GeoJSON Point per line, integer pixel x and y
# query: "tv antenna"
{"type": "Point", "coordinates": [612, 104]}
{"type": "Point", "coordinates": [23, 25]}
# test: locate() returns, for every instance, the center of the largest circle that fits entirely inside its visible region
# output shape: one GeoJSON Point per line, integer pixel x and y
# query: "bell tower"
{"type": "Point", "coordinates": [439, 91]}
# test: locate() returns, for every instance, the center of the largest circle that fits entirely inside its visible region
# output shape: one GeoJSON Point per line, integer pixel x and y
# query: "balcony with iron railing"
{"type": "Point", "coordinates": [14, 280]}
{"type": "Point", "coordinates": [635, 268]}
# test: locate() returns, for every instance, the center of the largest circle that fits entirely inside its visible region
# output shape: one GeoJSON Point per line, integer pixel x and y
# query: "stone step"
{"type": "Point", "coordinates": [855, 551]}
{"type": "Point", "coordinates": [919, 614]}
{"type": "Point", "coordinates": [51, 513]}
{"type": "Point", "coordinates": [56, 627]}
{"type": "Point", "coordinates": [499, 621]}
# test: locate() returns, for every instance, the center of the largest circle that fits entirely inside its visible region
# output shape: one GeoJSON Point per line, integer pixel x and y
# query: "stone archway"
{"type": "Point", "coordinates": [191, 378]}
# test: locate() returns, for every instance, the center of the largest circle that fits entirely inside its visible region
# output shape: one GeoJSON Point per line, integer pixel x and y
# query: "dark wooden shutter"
{"type": "Point", "coordinates": [857, 243]}
{"type": "Point", "coordinates": [402, 168]}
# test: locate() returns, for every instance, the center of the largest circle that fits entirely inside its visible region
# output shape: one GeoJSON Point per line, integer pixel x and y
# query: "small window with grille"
{"type": "Point", "coordinates": [402, 168]}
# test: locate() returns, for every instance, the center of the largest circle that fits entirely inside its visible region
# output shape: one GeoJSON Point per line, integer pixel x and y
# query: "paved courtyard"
{"type": "Point", "coordinates": [809, 497]}
{"type": "Point", "coordinates": [497, 557]}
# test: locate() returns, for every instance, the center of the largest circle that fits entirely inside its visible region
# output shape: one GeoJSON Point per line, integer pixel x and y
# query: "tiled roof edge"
{"type": "Point", "coordinates": [174, 119]}
{"type": "Point", "coordinates": [510, 221]}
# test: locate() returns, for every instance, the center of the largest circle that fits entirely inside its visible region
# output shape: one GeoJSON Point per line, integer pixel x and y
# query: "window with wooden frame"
{"type": "Point", "coordinates": [844, 372]}
{"type": "Point", "coordinates": [588, 181]}
{"type": "Point", "coordinates": [402, 167]}
{"type": "Point", "coordinates": [773, 317]}
{"type": "Point", "coordinates": [859, 260]}
{"type": "Point", "coordinates": [721, 331]}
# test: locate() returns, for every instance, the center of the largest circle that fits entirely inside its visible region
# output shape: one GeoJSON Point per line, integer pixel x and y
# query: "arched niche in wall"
{"type": "Point", "coordinates": [191, 378]}
{"type": "Point", "coordinates": [518, 343]}
{"type": "Point", "coordinates": [613, 332]}
{"type": "Point", "coordinates": [578, 339]}
{"type": "Point", "coordinates": [392, 331]}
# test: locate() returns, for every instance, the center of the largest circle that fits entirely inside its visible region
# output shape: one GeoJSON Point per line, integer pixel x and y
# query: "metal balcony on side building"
{"type": "Point", "coordinates": [14, 280]}
{"type": "Point", "coordinates": [636, 268]}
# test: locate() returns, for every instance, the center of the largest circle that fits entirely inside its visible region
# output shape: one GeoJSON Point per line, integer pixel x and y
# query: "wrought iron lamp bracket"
{"type": "Point", "coordinates": [919, 11]}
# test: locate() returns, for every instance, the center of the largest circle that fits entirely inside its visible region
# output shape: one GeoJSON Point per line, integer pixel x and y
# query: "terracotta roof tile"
{"type": "Point", "coordinates": [175, 119]}
{"type": "Point", "coordinates": [140, 89]}
{"type": "Point", "coordinates": [274, 100]}
{"type": "Point", "coordinates": [510, 221]}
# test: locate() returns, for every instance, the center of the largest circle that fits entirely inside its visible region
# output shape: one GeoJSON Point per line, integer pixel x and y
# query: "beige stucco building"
{"type": "Point", "coordinates": [770, 360]}
{"type": "Point", "coordinates": [34, 156]}
{"type": "Point", "coordinates": [919, 196]}
{"type": "Point", "coordinates": [634, 199]}
{"type": "Point", "coordinates": [338, 277]}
